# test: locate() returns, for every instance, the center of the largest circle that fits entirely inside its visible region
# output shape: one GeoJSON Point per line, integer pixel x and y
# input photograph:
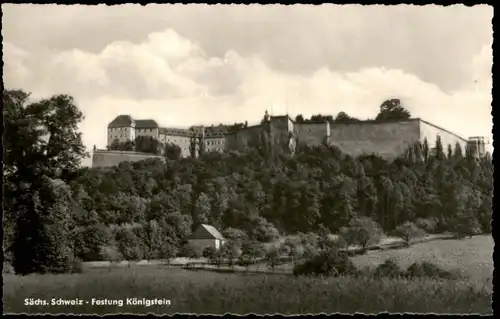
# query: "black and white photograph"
{"type": "Point", "coordinates": [247, 159]}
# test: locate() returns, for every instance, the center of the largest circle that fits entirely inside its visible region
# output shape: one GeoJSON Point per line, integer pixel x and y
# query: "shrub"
{"type": "Point", "coordinates": [327, 263]}
{"type": "Point", "coordinates": [389, 268]}
{"type": "Point", "coordinates": [430, 270]}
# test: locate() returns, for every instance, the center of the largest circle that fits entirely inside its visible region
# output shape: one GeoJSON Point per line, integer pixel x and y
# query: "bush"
{"type": "Point", "coordinates": [430, 270]}
{"type": "Point", "coordinates": [326, 263]}
{"type": "Point", "coordinates": [389, 268]}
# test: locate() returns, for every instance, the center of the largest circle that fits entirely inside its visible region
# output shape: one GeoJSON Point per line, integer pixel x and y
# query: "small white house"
{"type": "Point", "coordinates": [206, 236]}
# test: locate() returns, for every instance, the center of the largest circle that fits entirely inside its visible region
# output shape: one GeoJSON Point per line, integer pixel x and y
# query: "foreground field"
{"type": "Point", "coordinates": [208, 292]}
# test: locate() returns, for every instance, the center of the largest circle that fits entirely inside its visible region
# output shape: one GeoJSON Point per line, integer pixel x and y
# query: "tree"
{"type": "Point", "coordinates": [201, 146]}
{"type": "Point", "coordinates": [392, 110]}
{"type": "Point", "coordinates": [347, 237]}
{"type": "Point", "coordinates": [153, 239]}
{"type": "Point", "coordinates": [458, 152]}
{"type": "Point", "coordinates": [211, 254]}
{"type": "Point", "coordinates": [299, 119]}
{"type": "Point", "coordinates": [172, 151]}
{"type": "Point", "coordinates": [47, 219]}
{"type": "Point", "coordinates": [167, 250]}
{"type": "Point", "coordinates": [364, 231]}
{"type": "Point", "coordinates": [322, 118]}
{"type": "Point", "coordinates": [265, 119]}
{"type": "Point", "coordinates": [116, 145]}
{"type": "Point", "coordinates": [231, 250]}
{"type": "Point", "coordinates": [261, 230]}
{"type": "Point", "coordinates": [193, 144]}
{"type": "Point", "coordinates": [41, 144]}
{"type": "Point", "coordinates": [202, 209]}
{"type": "Point", "coordinates": [235, 234]}
{"type": "Point", "coordinates": [426, 224]}
{"type": "Point", "coordinates": [408, 232]}
{"type": "Point", "coordinates": [147, 144]}
{"type": "Point", "coordinates": [330, 262]}
{"type": "Point", "coordinates": [342, 117]}
{"type": "Point", "coordinates": [449, 152]}
{"type": "Point", "coordinates": [110, 253]}
{"type": "Point", "coordinates": [89, 240]}
{"type": "Point", "coordinates": [190, 252]}
{"type": "Point", "coordinates": [129, 244]}
{"type": "Point", "coordinates": [324, 240]}
{"type": "Point", "coordinates": [439, 149]}
{"type": "Point", "coordinates": [272, 257]}
{"type": "Point", "coordinates": [295, 249]}
{"type": "Point", "coordinates": [251, 251]}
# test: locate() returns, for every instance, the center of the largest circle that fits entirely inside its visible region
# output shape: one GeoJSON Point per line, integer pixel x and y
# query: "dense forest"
{"type": "Point", "coordinates": [147, 209]}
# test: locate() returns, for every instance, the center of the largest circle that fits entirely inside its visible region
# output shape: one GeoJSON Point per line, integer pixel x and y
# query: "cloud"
{"type": "Point", "coordinates": [171, 79]}
{"type": "Point", "coordinates": [436, 43]}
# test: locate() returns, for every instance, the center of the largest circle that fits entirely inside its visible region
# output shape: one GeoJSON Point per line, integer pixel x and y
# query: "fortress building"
{"type": "Point", "coordinates": [387, 139]}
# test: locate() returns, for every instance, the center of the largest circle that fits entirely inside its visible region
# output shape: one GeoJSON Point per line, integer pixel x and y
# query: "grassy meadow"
{"type": "Point", "coordinates": [210, 292]}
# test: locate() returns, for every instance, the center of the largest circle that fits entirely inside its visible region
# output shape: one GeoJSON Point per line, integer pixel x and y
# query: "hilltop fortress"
{"type": "Point", "coordinates": [387, 139]}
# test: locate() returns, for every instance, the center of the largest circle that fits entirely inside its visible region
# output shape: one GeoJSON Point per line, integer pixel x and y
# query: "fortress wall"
{"type": "Point", "coordinates": [240, 140]}
{"type": "Point", "coordinates": [280, 126]}
{"type": "Point", "coordinates": [387, 139]}
{"type": "Point", "coordinates": [102, 158]}
{"type": "Point", "coordinates": [122, 134]}
{"type": "Point", "coordinates": [183, 142]}
{"type": "Point", "coordinates": [431, 131]}
{"type": "Point", "coordinates": [311, 133]}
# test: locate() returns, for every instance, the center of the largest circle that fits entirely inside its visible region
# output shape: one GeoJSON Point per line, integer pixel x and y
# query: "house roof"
{"type": "Point", "coordinates": [206, 232]}
{"type": "Point", "coordinates": [121, 121]}
{"type": "Point", "coordinates": [146, 124]}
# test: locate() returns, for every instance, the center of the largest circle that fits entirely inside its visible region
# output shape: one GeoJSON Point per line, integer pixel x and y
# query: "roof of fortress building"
{"type": "Point", "coordinates": [146, 124]}
{"type": "Point", "coordinates": [121, 121]}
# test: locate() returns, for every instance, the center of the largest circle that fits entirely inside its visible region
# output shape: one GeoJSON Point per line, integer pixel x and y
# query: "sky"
{"type": "Point", "coordinates": [194, 64]}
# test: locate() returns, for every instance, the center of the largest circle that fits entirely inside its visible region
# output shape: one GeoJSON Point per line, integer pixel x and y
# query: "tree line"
{"type": "Point", "coordinates": [147, 209]}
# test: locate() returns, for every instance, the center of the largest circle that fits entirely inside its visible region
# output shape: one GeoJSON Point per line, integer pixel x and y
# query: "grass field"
{"type": "Point", "coordinates": [473, 257]}
{"type": "Point", "coordinates": [208, 292]}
